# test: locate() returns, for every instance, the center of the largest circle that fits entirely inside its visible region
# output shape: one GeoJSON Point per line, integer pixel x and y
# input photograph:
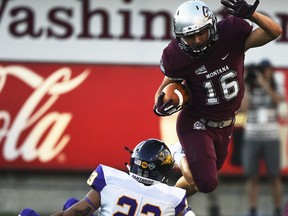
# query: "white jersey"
{"type": "Point", "coordinates": [121, 195]}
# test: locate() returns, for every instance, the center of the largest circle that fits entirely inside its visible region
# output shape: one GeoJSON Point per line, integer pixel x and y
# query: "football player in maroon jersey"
{"type": "Point", "coordinates": [208, 56]}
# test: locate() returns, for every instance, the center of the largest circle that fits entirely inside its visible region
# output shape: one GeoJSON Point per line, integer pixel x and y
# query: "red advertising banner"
{"type": "Point", "coordinates": [75, 116]}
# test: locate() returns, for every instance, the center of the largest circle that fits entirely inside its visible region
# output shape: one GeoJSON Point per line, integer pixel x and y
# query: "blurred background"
{"type": "Point", "coordinates": [77, 84]}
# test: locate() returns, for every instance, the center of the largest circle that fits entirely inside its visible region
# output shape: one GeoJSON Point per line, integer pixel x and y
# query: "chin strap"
{"type": "Point", "coordinates": [131, 152]}
{"type": "Point", "coordinates": [128, 149]}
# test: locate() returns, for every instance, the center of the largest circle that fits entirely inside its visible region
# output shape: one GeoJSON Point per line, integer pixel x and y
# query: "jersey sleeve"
{"type": "Point", "coordinates": [181, 206]}
{"type": "Point", "coordinates": [97, 179]}
{"type": "Point", "coordinates": [235, 31]}
{"type": "Point", "coordinates": [174, 61]}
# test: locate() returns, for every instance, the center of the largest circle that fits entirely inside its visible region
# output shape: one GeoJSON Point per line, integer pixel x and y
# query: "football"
{"type": "Point", "coordinates": [178, 92]}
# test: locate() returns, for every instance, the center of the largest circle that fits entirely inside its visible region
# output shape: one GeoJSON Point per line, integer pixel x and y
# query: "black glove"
{"type": "Point", "coordinates": [240, 8]}
{"type": "Point", "coordinates": [165, 109]}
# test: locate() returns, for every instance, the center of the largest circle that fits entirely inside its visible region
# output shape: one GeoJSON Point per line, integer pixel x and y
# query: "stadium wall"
{"type": "Point", "coordinates": [77, 79]}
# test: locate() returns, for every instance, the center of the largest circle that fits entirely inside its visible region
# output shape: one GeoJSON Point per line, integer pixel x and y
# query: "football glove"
{"type": "Point", "coordinates": [28, 212]}
{"type": "Point", "coordinates": [165, 109]}
{"type": "Point", "coordinates": [240, 8]}
{"type": "Point", "coordinates": [69, 202]}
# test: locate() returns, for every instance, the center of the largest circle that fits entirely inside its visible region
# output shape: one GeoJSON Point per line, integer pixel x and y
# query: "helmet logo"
{"type": "Point", "coordinates": [151, 166]}
{"type": "Point", "coordinates": [144, 164]}
{"type": "Point", "coordinates": [168, 160]}
{"type": "Point", "coordinates": [207, 12]}
{"type": "Point", "coordinates": [165, 157]}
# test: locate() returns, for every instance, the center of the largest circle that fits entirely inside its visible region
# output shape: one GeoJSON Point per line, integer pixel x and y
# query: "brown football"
{"type": "Point", "coordinates": [178, 92]}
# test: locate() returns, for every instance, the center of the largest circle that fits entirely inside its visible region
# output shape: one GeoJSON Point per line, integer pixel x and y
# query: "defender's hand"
{"type": "Point", "coordinates": [240, 8]}
{"type": "Point", "coordinates": [165, 109]}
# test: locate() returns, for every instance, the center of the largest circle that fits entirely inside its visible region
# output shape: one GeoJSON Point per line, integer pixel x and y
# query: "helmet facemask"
{"type": "Point", "coordinates": [198, 51]}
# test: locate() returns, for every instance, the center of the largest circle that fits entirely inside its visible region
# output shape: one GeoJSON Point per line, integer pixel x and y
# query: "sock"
{"type": "Point", "coordinates": [253, 211]}
{"type": "Point", "coordinates": [277, 211]}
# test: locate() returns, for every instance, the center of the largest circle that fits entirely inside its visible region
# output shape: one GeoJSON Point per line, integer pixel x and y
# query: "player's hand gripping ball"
{"type": "Point", "coordinates": [178, 92]}
{"type": "Point", "coordinates": [172, 99]}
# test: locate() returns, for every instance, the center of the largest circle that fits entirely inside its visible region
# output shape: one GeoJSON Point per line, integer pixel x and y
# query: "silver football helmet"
{"type": "Point", "coordinates": [190, 18]}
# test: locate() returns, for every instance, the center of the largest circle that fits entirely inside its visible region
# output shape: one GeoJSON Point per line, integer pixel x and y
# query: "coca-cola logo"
{"type": "Point", "coordinates": [47, 136]}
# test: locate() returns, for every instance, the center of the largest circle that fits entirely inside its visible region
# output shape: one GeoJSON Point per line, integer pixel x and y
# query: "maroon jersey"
{"type": "Point", "coordinates": [215, 80]}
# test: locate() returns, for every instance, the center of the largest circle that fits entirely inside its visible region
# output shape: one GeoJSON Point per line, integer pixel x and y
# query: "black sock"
{"type": "Point", "coordinates": [277, 212]}
{"type": "Point", "coordinates": [253, 211]}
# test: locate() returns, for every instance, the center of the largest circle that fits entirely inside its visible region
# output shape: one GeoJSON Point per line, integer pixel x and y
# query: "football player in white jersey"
{"type": "Point", "coordinates": [142, 192]}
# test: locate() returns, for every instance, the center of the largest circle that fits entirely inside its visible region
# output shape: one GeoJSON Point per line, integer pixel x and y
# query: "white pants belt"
{"type": "Point", "coordinates": [218, 124]}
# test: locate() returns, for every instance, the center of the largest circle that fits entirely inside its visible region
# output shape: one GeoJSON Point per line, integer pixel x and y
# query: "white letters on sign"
{"type": "Point", "coordinates": [35, 116]}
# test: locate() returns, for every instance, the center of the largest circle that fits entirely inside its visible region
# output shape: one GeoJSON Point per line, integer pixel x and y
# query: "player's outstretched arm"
{"type": "Point", "coordinates": [85, 207]}
{"type": "Point", "coordinates": [268, 30]}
